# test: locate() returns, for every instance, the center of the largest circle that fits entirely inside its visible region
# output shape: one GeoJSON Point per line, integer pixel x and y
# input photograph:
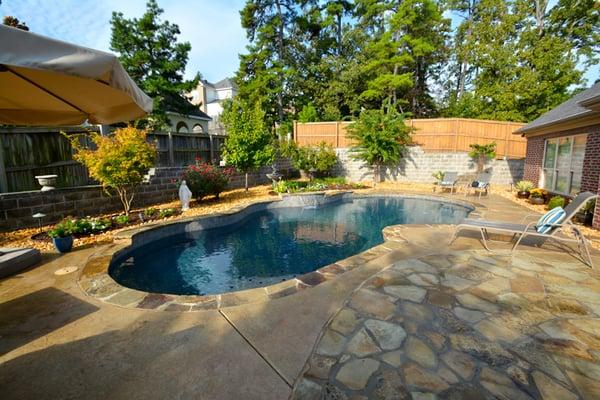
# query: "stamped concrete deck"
{"type": "Point", "coordinates": [57, 342]}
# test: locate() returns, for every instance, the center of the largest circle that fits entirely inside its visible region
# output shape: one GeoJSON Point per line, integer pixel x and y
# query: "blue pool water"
{"type": "Point", "coordinates": [271, 246]}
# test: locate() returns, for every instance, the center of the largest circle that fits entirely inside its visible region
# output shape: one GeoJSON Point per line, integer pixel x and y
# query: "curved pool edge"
{"type": "Point", "coordinates": [95, 281]}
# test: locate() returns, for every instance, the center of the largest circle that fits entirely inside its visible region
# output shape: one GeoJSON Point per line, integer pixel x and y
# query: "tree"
{"type": "Point", "coordinates": [262, 75]}
{"type": "Point", "coordinates": [151, 55]}
{"type": "Point", "coordinates": [15, 23]}
{"type": "Point", "coordinates": [249, 144]}
{"type": "Point", "coordinates": [119, 161]}
{"type": "Point", "coordinates": [481, 153]}
{"type": "Point", "coordinates": [401, 61]}
{"type": "Point", "coordinates": [380, 137]}
{"type": "Point", "coordinates": [308, 113]}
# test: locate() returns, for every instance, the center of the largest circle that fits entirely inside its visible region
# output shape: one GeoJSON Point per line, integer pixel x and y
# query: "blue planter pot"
{"type": "Point", "coordinates": [63, 244]}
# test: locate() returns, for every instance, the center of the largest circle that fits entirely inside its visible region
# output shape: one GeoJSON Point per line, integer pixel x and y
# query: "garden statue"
{"type": "Point", "coordinates": [185, 195]}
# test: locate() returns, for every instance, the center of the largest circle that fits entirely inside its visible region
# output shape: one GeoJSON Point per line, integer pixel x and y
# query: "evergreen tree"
{"type": "Point", "coordinates": [263, 73]}
{"type": "Point", "coordinates": [151, 55]}
{"type": "Point", "coordinates": [401, 61]}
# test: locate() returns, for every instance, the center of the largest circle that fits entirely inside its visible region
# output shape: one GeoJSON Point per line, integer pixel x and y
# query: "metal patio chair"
{"type": "Point", "coordinates": [523, 230]}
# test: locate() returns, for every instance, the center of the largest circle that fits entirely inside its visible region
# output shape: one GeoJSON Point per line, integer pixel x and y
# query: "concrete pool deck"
{"type": "Point", "coordinates": [57, 342]}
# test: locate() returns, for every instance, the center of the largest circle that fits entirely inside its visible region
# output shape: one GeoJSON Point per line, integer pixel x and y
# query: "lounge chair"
{"type": "Point", "coordinates": [480, 185]}
{"type": "Point", "coordinates": [523, 230]}
{"type": "Point", "coordinates": [449, 181]}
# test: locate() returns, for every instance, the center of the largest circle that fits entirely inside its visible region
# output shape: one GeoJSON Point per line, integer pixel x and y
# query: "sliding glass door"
{"type": "Point", "coordinates": [563, 164]}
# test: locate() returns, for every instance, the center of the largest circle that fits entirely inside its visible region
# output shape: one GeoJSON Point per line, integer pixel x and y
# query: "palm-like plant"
{"type": "Point", "coordinates": [481, 153]}
{"type": "Point", "coordinates": [380, 137]}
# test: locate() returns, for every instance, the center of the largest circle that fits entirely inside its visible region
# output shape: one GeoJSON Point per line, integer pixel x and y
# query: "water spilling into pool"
{"type": "Point", "coordinates": [270, 246]}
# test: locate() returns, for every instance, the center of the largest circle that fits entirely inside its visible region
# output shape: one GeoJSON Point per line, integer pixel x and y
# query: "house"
{"type": "Point", "coordinates": [210, 97]}
{"type": "Point", "coordinates": [188, 118]}
{"type": "Point", "coordinates": [195, 121]}
{"type": "Point", "coordinates": [563, 147]}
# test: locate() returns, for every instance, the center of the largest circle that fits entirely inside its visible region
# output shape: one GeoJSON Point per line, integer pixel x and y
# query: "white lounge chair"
{"type": "Point", "coordinates": [523, 230]}
{"type": "Point", "coordinates": [449, 181]}
{"type": "Point", "coordinates": [480, 185]}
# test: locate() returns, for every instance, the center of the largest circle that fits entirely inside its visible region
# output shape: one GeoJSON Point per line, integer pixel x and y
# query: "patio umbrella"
{"type": "Point", "coordinates": [44, 81]}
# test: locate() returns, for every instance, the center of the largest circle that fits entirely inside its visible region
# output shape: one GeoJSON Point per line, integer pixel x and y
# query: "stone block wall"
{"type": "Point", "coordinates": [418, 166]}
{"type": "Point", "coordinates": [16, 209]}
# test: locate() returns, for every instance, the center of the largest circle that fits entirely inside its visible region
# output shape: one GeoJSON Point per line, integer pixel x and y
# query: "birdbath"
{"type": "Point", "coordinates": [275, 176]}
{"type": "Point", "coordinates": [47, 182]}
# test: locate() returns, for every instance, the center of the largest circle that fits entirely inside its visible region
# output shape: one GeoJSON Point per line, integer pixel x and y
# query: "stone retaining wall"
{"type": "Point", "coordinates": [16, 209]}
{"type": "Point", "coordinates": [418, 166]}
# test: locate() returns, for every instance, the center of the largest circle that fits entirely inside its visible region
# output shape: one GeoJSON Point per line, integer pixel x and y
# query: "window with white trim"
{"type": "Point", "coordinates": [563, 164]}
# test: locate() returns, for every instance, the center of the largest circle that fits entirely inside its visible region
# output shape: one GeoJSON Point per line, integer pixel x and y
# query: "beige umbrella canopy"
{"type": "Point", "coordinates": [48, 82]}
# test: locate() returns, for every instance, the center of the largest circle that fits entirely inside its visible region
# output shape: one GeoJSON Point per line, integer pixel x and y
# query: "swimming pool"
{"type": "Point", "coordinates": [272, 245]}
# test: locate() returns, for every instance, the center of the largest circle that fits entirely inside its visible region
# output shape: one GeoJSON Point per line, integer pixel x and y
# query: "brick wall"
{"type": "Point", "coordinates": [533, 159]}
{"type": "Point", "coordinates": [16, 209]}
{"type": "Point", "coordinates": [418, 166]}
{"type": "Point", "coordinates": [591, 163]}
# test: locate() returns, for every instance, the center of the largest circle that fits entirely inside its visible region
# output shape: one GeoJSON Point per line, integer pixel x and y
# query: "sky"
{"type": "Point", "coordinates": [211, 26]}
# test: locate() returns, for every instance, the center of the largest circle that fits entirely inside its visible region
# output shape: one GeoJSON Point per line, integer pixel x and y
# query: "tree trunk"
{"type": "Point", "coordinates": [376, 174]}
{"type": "Point", "coordinates": [280, 56]}
{"type": "Point", "coordinates": [246, 181]}
{"type": "Point", "coordinates": [339, 34]}
{"type": "Point", "coordinates": [540, 14]}
{"type": "Point", "coordinates": [462, 75]}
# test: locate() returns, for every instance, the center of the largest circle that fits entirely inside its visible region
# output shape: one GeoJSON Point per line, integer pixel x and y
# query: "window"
{"type": "Point", "coordinates": [197, 128]}
{"type": "Point", "coordinates": [563, 164]}
{"type": "Point", "coordinates": [182, 127]}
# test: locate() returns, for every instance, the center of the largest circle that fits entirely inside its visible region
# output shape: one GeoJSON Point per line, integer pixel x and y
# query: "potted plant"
{"type": "Point", "coordinates": [438, 176]}
{"type": "Point", "coordinates": [586, 215]}
{"type": "Point", "coordinates": [536, 196]}
{"type": "Point", "coordinates": [523, 189]}
{"type": "Point", "coordinates": [62, 235]}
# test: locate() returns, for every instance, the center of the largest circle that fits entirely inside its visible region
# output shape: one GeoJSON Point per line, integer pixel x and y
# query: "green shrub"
{"type": "Point", "coordinates": [321, 158]}
{"type": "Point", "coordinates": [65, 228]}
{"type": "Point", "coordinates": [556, 201]}
{"type": "Point", "coordinates": [325, 158]}
{"type": "Point", "coordinates": [524, 186]}
{"type": "Point", "coordinates": [166, 212]}
{"type": "Point", "coordinates": [150, 212]}
{"type": "Point", "coordinates": [122, 219]}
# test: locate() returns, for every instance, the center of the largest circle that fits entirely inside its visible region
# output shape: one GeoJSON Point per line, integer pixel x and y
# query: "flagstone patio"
{"type": "Point", "coordinates": [419, 320]}
{"type": "Point", "coordinates": [466, 325]}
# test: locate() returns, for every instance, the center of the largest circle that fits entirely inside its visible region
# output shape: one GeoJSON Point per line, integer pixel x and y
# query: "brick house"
{"type": "Point", "coordinates": [563, 147]}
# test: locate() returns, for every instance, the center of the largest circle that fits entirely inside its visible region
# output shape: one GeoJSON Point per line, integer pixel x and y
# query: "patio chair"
{"type": "Point", "coordinates": [544, 228]}
{"type": "Point", "coordinates": [480, 185]}
{"type": "Point", "coordinates": [449, 181]}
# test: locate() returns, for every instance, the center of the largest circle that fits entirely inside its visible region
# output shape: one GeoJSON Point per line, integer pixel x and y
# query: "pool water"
{"type": "Point", "coordinates": [270, 246]}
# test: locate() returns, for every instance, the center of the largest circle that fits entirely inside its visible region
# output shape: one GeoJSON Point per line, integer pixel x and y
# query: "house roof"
{"type": "Point", "coordinates": [180, 105]}
{"type": "Point", "coordinates": [224, 84]}
{"type": "Point", "coordinates": [580, 106]}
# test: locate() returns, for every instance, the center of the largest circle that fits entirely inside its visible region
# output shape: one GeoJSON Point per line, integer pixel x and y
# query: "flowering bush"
{"type": "Point", "coordinates": [205, 179]}
{"type": "Point", "coordinates": [538, 193]}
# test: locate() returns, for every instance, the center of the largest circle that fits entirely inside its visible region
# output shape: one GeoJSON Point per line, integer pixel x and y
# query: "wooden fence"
{"type": "Point", "coordinates": [179, 149]}
{"type": "Point", "coordinates": [435, 135]}
{"type": "Point", "coordinates": [27, 152]}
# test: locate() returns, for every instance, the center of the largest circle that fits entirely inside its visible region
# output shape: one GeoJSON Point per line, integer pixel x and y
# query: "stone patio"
{"type": "Point", "coordinates": [419, 320]}
{"type": "Point", "coordinates": [465, 325]}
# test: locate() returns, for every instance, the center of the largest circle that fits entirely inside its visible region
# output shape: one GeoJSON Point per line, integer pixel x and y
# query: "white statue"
{"type": "Point", "coordinates": [184, 196]}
